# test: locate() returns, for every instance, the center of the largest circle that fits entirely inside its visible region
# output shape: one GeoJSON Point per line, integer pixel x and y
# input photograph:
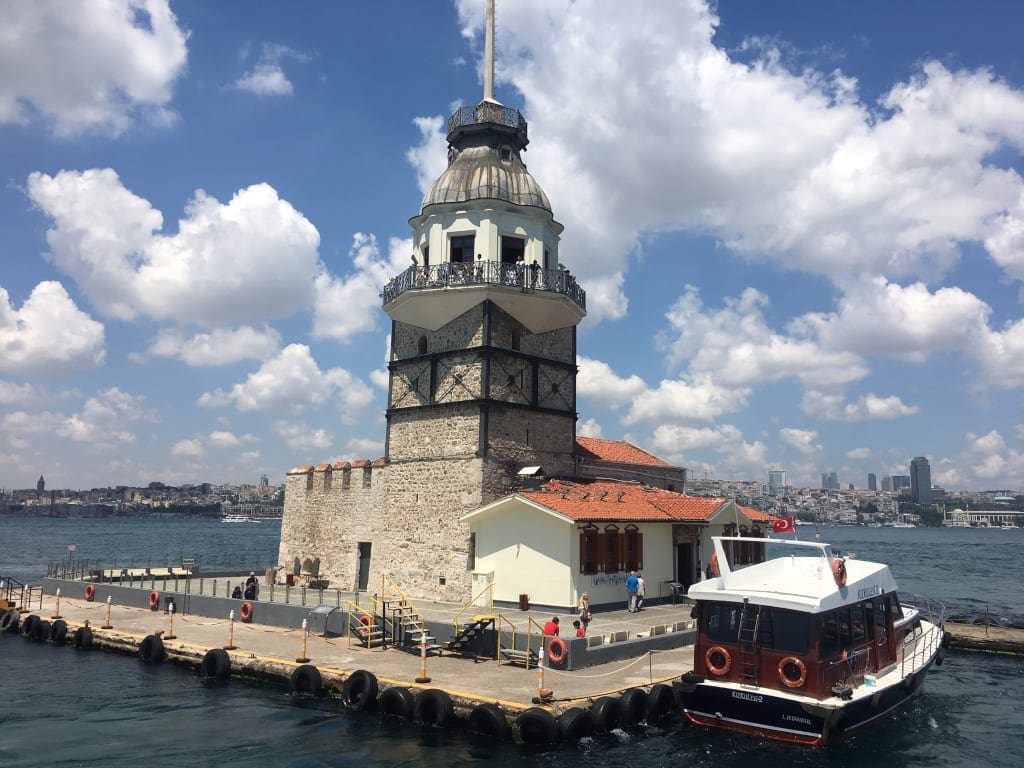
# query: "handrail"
{"type": "Point", "coordinates": [530, 623]}
{"type": "Point", "coordinates": [499, 621]}
{"type": "Point", "coordinates": [353, 610]}
{"type": "Point", "coordinates": [385, 579]}
{"type": "Point", "coordinates": [525, 277]}
{"type": "Point", "coordinates": [489, 588]}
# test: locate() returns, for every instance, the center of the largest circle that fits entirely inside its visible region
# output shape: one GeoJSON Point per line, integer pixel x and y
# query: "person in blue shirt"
{"type": "Point", "coordinates": [632, 585]}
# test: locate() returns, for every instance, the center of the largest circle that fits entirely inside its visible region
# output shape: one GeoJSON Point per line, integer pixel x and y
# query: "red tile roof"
{"type": "Point", "coordinates": [755, 515]}
{"type": "Point", "coordinates": [616, 501]}
{"type": "Point", "coordinates": [618, 451]}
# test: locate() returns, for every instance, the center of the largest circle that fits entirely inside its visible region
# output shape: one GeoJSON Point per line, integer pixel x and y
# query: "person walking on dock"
{"type": "Point", "coordinates": [632, 584]}
{"type": "Point", "coordinates": [585, 616]}
{"type": "Point", "coordinates": [640, 591]}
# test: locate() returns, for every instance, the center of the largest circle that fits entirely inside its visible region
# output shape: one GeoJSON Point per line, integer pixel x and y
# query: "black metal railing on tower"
{"type": "Point", "coordinates": [526, 277]}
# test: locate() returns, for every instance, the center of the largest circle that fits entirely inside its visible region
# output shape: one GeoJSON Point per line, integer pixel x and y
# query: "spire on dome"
{"type": "Point", "coordinates": [489, 54]}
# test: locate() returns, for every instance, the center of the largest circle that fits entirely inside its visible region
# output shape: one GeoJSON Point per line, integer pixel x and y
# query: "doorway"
{"type": "Point", "coordinates": [685, 564]}
{"type": "Point", "coordinates": [364, 565]}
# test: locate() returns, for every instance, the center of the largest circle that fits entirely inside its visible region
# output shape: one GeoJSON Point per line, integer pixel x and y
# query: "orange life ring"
{"type": "Point", "coordinates": [839, 572]}
{"type": "Point", "coordinates": [718, 669]}
{"type": "Point", "coordinates": [713, 565]}
{"type": "Point", "coordinates": [90, 592]}
{"type": "Point", "coordinates": [788, 681]}
{"type": "Point", "coordinates": [557, 650]}
{"type": "Point", "coordinates": [154, 599]}
{"type": "Point", "coordinates": [245, 611]}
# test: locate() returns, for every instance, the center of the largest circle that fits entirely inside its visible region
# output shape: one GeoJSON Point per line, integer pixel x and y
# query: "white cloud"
{"type": "Point", "coordinates": [88, 66]}
{"type": "Point", "coordinates": [589, 428]}
{"type": "Point", "coordinates": [785, 166]}
{"type": "Point", "coordinates": [292, 382]}
{"type": "Point", "coordinates": [868, 407]}
{"type": "Point", "coordinates": [267, 77]}
{"type": "Point", "coordinates": [301, 438]}
{"type": "Point", "coordinates": [1001, 354]}
{"type": "Point", "coordinates": [187, 449]}
{"type": "Point", "coordinates": [104, 419]}
{"type": "Point", "coordinates": [674, 443]}
{"type": "Point", "coordinates": [24, 423]}
{"type": "Point", "coordinates": [430, 157]}
{"type": "Point", "coordinates": [699, 399]}
{"type": "Point", "coordinates": [346, 306]}
{"type": "Point", "coordinates": [801, 439]}
{"type": "Point", "coordinates": [221, 346]}
{"type": "Point", "coordinates": [48, 335]}
{"type": "Point", "coordinates": [222, 267]}
{"type": "Point", "coordinates": [859, 454]}
{"type": "Point", "coordinates": [223, 439]}
{"type": "Point", "coordinates": [598, 384]}
{"type": "Point", "coordinates": [364, 448]}
{"type": "Point", "coordinates": [11, 393]}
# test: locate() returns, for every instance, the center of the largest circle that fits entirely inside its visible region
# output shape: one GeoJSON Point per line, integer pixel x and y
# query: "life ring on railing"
{"type": "Point", "coordinates": [154, 600]}
{"type": "Point", "coordinates": [713, 568]}
{"type": "Point", "coordinates": [710, 659]}
{"type": "Point", "coordinates": [787, 665]}
{"type": "Point", "coordinates": [245, 611]}
{"type": "Point", "coordinates": [90, 592]}
{"type": "Point", "coordinates": [364, 625]}
{"type": "Point", "coordinates": [557, 651]}
{"type": "Point", "coordinates": [839, 572]}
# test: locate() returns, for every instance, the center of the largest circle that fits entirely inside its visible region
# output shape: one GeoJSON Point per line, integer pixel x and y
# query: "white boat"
{"type": "Point", "coordinates": [239, 519]}
{"type": "Point", "coordinates": [806, 646]}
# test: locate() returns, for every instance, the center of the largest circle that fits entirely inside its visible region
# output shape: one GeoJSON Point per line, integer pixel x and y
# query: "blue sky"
{"type": "Point", "coordinates": [800, 226]}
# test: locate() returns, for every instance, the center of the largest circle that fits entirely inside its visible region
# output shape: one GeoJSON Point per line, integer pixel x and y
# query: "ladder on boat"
{"type": "Point", "coordinates": [747, 636]}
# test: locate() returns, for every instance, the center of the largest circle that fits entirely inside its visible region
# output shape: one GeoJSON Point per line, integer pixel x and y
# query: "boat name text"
{"type": "Point", "coordinates": [868, 591]}
{"type": "Point", "coordinates": [795, 719]}
{"type": "Point", "coordinates": [748, 697]}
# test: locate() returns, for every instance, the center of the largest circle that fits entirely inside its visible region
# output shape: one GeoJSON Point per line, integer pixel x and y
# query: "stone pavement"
{"type": "Point", "coordinates": [271, 652]}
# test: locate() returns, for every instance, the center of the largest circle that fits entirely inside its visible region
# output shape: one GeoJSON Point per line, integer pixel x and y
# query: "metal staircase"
{"type": "Point", "coordinates": [403, 624]}
{"type": "Point", "coordinates": [15, 596]}
{"type": "Point", "coordinates": [471, 641]}
{"type": "Point", "coordinates": [747, 637]}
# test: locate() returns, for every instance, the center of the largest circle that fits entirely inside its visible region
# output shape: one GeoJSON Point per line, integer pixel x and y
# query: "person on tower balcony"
{"type": "Point", "coordinates": [534, 273]}
{"type": "Point", "coordinates": [479, 267]}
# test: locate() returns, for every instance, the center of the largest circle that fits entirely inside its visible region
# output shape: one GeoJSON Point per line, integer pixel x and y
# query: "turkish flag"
{"type": "Point", "coordinates": [783, 525]}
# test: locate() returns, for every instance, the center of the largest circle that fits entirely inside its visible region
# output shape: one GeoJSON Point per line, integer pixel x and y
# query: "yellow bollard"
{"type": "Point", "coordinates": [56, 611]}
{"type": "Point", "coordinates": [540, 670]}
{"type": "Point", "coordinates": [231, 633]}
{"type": "Point", "coordinates": [107, 624]}
{"type": "Point", "coordinates": [303, 658]}
{"type": "Point", "coordinates": [423, 659]}
{"type": "Point", "coordinates": [170, 627]}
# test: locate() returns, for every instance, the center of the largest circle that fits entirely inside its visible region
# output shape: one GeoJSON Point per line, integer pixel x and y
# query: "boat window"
{"type": "Point", "coordinates": [786, 631]}
{"type": "Point", "coordinates": [897, 613]}
{"type": "Point", "coordinates": [880, 608]}
{"type": "Point", "coordinates": [829, 635]}
{"type": "Point", "coordinates": [869, 620]}
{"type": "Point", "coordinates": [860, 631]}
{"type": "Point", "coordinates": [845, 628]}
{"type": "Point", "coordinates": [723, 622]}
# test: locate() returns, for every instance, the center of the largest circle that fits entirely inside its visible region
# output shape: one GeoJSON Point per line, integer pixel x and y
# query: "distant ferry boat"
{"type": "Point", "coordinates": [239, 519]}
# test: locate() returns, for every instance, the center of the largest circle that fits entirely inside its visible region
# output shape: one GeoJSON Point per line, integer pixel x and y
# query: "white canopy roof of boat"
{"type": "Point", "coordinates": [798, 576]}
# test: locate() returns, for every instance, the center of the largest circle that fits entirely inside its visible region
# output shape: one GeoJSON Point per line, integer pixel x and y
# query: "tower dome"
{"type": "Point", "coordinates": [484, 160]}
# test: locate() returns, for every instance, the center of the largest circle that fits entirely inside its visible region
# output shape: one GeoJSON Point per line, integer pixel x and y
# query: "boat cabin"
{"type": "Point", "coordinates": [805, 620]}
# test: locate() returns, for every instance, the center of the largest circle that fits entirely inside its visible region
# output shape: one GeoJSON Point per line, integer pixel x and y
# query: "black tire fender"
{"type": "Point", "coordinates": [433, 707]}
{"type": "Point", "coordinates": [59, 631]}
{"type": "Point", "coordinates": [83, 638]}
{"type": "Point", "coordinates": [151, 649]}
{"type": "Point", "coordinates": [575, 723]}
{"type": "Point", "coordinates": [605, 713]}
{"type": "Point", "coordinates": [306, 679]}
{"type": "Point", "coordinates": [28, 626]}
{"type": "Point", "coordinates": [42, 631]}
{"type": "Point", "coordinates": [632, 706]}
{"type": "Point", "coordinates": [359, 690]}
{"type": "Point", "coordinates": [396, 701]}
{"type": "Point", "coordinates": [660, 702]}
{"type": "Point", "coordinates": [10, 621]}
{"type": "Point", "coordinates": [488, 720]}
{"type": "Point", "coordinates": [536, 726]}
{"type": "Point", "coordinates": [216, 665]}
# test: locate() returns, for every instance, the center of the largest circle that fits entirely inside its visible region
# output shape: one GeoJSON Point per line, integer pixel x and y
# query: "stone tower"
{"type": "Point", "coordinates": [482, 371]}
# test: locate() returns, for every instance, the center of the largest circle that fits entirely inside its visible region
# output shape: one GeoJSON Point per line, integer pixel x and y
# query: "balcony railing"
{"type": "Point", "coordinates": [523, 276]}
{"type": "Point", "coordinates": [485, 112]}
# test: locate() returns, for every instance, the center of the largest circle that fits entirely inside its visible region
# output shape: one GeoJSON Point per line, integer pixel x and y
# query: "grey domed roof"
{"type": "Point", "coordinates": [479, 173]}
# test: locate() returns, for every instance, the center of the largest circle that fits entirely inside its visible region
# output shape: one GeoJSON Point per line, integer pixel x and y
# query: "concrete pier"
{"type": "Point", "coordinates": [986, 639]}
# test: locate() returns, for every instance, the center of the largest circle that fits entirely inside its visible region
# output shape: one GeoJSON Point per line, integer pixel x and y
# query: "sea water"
{"type": "Point", "coordinates": [62, 707]}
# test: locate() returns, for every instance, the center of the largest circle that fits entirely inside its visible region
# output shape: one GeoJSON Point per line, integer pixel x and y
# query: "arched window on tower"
{"type": "Point", "coordinates": [423, 345]}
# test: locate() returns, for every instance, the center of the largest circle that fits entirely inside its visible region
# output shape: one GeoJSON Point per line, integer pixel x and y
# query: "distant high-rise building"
{"type": "Point", "coordinates": [40, 485]}
{"type": "Point", "coordinates": [900, 481]}
{"type": "Point", "coordinates": [886, 483]}
{"type": "Point", "coordinates": [920, 480]}
{"type": "Point", "coordinates": [872, 482]}
{"type": "Point", "coordinates": [776, 482]}
{"type": "Point", "coordinates": [833, 481]}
